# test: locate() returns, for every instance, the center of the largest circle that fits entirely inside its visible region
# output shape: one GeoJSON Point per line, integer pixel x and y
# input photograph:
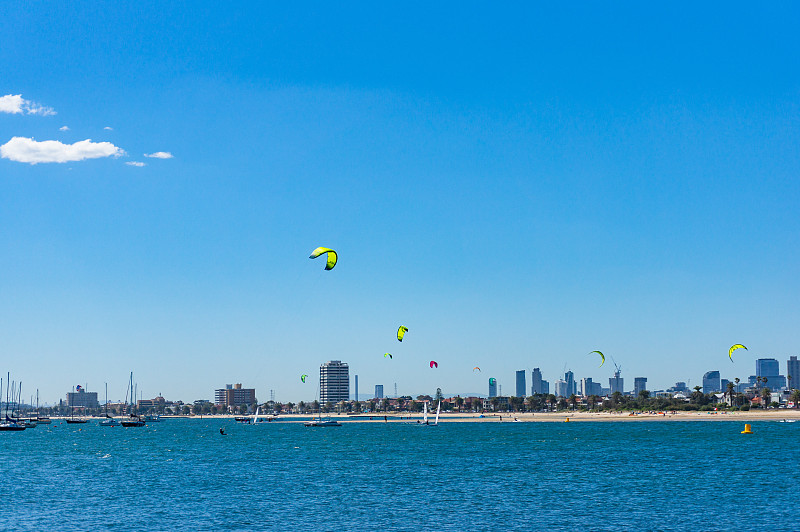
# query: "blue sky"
{"type": "Point", "coordinates": [519, 185]}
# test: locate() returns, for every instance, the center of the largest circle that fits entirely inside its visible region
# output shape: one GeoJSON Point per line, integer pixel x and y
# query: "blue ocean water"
{"type": "Point", "coordinates": [181, 474]}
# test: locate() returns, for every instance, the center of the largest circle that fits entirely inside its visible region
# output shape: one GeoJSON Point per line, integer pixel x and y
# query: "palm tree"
{"type": "Point", "coordinates": [765, 396]}
{"type": "Point", "coordinates": [796, 398]}
{"type": "Point", "coordinates": [459, 402]}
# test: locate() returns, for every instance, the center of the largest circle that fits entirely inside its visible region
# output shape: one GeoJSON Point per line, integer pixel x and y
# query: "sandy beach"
{"type": "Point", "coordinates": [543, 417]}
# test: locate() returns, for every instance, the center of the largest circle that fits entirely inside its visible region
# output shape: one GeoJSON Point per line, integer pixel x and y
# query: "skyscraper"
{"type": "Point", "coordinates": [560, 388]}
{"type": "Point", "coordinates": [536, 382]}
{"type": "Point", "coordinates": [356, 382]}
{"type": "Point", "coordinates": [711, 382]}
{"type": "Point", "coordinates": [639, 385]}
{"type": "Point", "coordinates": [616, 383]}
{"type": "Point", "coordinates": [769, 369]}
{"type": "Point", "coordinates": [520, 391]}
{"type": "Point", "coordinates": [492, 387]}
{"type": "Point", "coordinates": [793, 372]}
{"type": "Point", "coordinates": [586, 386]}
{"type": "Point", "coordinates": [572, 388]}
{"type": "Point", "coordinates": [334, 382]}
{"type": "Point", "coordinates": [379, 391]}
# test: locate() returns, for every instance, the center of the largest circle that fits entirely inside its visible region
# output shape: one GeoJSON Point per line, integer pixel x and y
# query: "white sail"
{"type": "Point", "coordinates": [438, 408]}
{"type": "Point", "coordinates": [425, 413]}
{"type": "Point", "coordinates": [255, 417]}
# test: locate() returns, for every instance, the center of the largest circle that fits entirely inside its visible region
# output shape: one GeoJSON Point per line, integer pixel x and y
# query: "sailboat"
{"type": "Point", "coordinates": [320, 421]}
{"type": "Point", "coordinates": [9, 424]}
{"type": "Point", "coordinates": [134, 420]}
{"type": "Point", "coordinates": [108, 421]}
{"type": "Point", "coordinates": [72, 418]}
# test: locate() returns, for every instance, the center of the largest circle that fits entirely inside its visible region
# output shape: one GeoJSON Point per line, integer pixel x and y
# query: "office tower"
{"type": "Point", "coordinates": [379, 391]}
{"type": "Point", "coordinates": [560, 388]}
{"type": "Point", "coordinates": [768, 368]}
{"type": "Point", "coordinates": [492, 387]}
{"type": "Point", "coordinates": [639, 385]}
{"type": "Point", "coordinates": [616, 383]}
{"type": "Point", "coordinates": [520, 391]}
{"type": "Point", "coordinates": [572, 388]}
{"type": "Point", "coordinates": [586, 386]}
{"type": "Point", "coordinates": [536, 381]}
{"type": "Point", "coordinates": [711, 382]}
{"type": "Point", "coordinates": [356, 383]}
{"type": "Point", "coordinates": [545, 387]}
{"type": "Point", "coordinates": [793, 371]}
{"type": "Point", "coordinates": [334, 382]}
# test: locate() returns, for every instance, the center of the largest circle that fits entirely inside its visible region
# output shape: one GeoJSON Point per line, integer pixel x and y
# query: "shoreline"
{"type": "Point", "coordinates": [527, 417]}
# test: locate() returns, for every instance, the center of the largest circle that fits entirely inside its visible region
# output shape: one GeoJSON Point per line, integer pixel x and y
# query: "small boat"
{"type": "Point", "coordinates": [77, 420]}
{"type": "Point", "coordinates": [152, 418]}
{"type": "Point", "coordinates": [10, 423]}
{"type": "Point", "coordinates": [243, 419]}
{"type": "Point", "coordinates": [43, 420]}
{"type": "Point", "coordinates": [29, 423]}
{"type": "Point", "coordinates": [322, 422]}
{"type": "Point", "coordinates": [133, 420]}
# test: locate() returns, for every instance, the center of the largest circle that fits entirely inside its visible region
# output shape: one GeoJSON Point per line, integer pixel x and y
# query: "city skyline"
{"type": "Point", "coordinates": [518, 186]}
{"type": "Point", "coordinates": [710, 382]}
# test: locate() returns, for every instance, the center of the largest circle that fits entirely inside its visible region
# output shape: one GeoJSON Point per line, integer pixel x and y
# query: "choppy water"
{"type": "Point", "coordinates": [182, 474]}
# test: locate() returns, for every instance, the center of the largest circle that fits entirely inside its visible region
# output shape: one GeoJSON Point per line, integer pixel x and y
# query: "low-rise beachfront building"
{"type": "Point", "coordinates": [82, 399]}
{"type": "Point", "coordinates": [233, 396]}
{"type": "Point", "coordinates": [502, 403]}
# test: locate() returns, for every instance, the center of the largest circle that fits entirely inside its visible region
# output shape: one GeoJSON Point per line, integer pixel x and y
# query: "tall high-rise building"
{"type": "Point", "coordinates": [520, 391]}
{"type": "Point", "coordinates": [560, 388]}
{"type": "Point", "coordinates": [711, 382]}
{"type": "Point", "coordinates": [572, 387]}
{"type": "Point", "coordinates": [545, 387]}
{"type": "Point", "coordinates": [769, 369]}
{"type": "Point", "coordinates": [536, 382]}
{"type": "Point", "coordinates": [616, 383]}
{"type": "Point", "coordinates": [356, 384]}
{"type": "Point", "coordinates": [492, 387]}
{"type": "Point", "coordinates": [334, 382]}
{"type": "Point", "coordinates": [793, 371]}
{"type": "Point", "coordinates": [379, 391]}
{"type": "Point", "coordinates": [639, 385]}
{"type": "Point", "coordinates": [767, 366]}
{"type": "Point", "coordinates": [586, 386]}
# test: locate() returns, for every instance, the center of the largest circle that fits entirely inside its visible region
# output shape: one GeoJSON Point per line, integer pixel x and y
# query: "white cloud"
{"type": "Point", "coordinates": [15, 104]}
{"type": "Point", "coordinates": [24, 150]}
{"type": "Point", "coordinates": [135, 163]}
{"type": "Point", "coordinates": [108, 128]}
{"type": "Point", "coordinates": [63, 128]}
{"type": "Point", "coordinates": [160, 155]}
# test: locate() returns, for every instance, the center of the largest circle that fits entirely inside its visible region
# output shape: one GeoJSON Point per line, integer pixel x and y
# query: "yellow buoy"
{"type": "Point", "coordinates": [747, 429]}
{"type": "Point", "coordinates": [566, 420]}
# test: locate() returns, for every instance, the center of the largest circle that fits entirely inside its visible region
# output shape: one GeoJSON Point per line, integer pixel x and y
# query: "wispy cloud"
{"type": "Point", "coordinates": [25, 150]}
{"type": "Point", "coordinates": [107, 128]}
{"type": "Point", "coordinates": [63, 128]}
{"type": "Point", "coordinates": [135, 163]}
{"type": "Point", "coordinates": [15, 104]}
{"type": "Point", "coordinates": [160, 155]}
